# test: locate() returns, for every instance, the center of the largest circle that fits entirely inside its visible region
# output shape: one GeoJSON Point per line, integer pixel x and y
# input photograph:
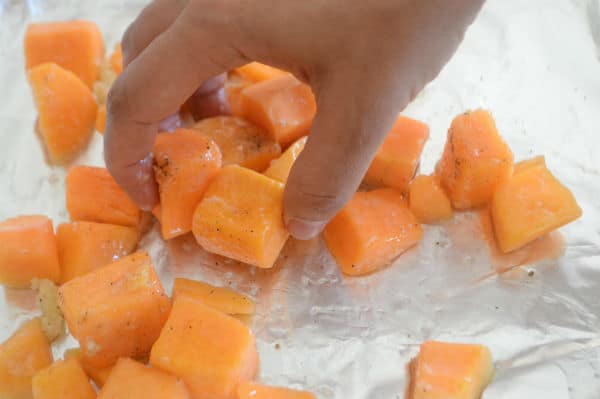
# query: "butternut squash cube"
{"type": "Point", "coordinates": [219, 298]}
{"type": "Point", "coordinates": [64, 379]}
{"type": "Point", "coordinates": [428, 201]}
{"type": "Point", "coordinates": [280, 168]}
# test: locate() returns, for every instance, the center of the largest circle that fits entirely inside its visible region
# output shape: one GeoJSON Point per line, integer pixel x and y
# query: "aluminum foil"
{"type": "Point", "coordinates": [536, 65]}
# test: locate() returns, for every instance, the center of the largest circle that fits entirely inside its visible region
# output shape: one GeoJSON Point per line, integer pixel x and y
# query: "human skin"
{"type": "Point", "coordinates": [365, 61]}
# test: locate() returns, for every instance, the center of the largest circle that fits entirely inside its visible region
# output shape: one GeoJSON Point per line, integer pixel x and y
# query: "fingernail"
{"type": "Point", "coordinates": [304, 229]}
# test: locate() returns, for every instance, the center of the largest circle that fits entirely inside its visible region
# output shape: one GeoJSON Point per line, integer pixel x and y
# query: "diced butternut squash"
{"type": "Point", "coordinates": [223, 353]}
{"type": "Point", "coordinates": [87, 246]}
{"type": "Point", "coordinates": [74, 45]}
{"type": "Point", "coordinates": [98, 375]}
{"type": "Point", "coordinates": [219, 298]}
{"type": "Point", "coordinates": [94, 196]}
{"type": "Point", "coordinates": [28, 250]}
{"type": "Point", "coordinates": [21, 356]}
{"type": "Point", "coordinates": [240, 142]}
{"type": "Point", "coordinates": [280, 168]}
{"type": "Point", "coordinates": [66, 108]}
{"type": "Point", "coordinates": [185, 163]}
{"type": "Point", "coordinates": [253, 390]}
{"type": "Point", "coordinates": [284, 106]}
{"type": "Point", "coordinates": [257, 72]}
{"type": "Point", "coordinates": [530, 204]}
{"type": "Point", "coordinates": [53, 322]}
{"type": "Point", "coordinates": [101, 119]}
{"type": "Point", "coordinates": [64, 379]}
{"type": "Point", "coordinates": [116, 59]}
{"type": "Point", "coordinates": [116, 311]}
{"type": "Point", "coordinates": [451, 371]}
{"type": "Point", "coordinates": [241, 217]}
{"type": "Point", "coordinates": [372, 230]}
{"type": "Point", "coordinates": [132, 380]}
{"type": "Point", "coordinates": [398, 158]}
{"type": "Point", "coordinates": [234, 85]}
{"type": "Point", "coordinates": [528, 163]}
{"type": "Point", "coordinates": [428, 201]}
{"type": "Point", "coordinates": [475, 160]}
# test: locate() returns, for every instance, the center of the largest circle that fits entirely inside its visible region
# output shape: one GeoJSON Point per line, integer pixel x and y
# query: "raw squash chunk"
{"type": "Point", "coordinates": [116, 311]}
{"type": "Point", "coordinates": [116, 59]}
{"type": "Point", "coordinates": [66, 108]}
{"type": "Point", "coordinates": [475, 160]}
{"type": "Point", "coordinates": [222, 355]}
{"type": "Point", "coordinates": [280, 168]}
{"type": "Point", "coordinates": [98, 375]}
{"type": "Point", "coordinates": [132, 380]}
{"type": "Point", "coordinates": [284, 106]}
{"type": "Point", "coordinates": [27, 250]}
{"type": "Point", "coordinates": [234, 84]}
{"type": "Point", "coordinates": [21, 356]}
{"type": "Point", "coordinates": [87, 246]}
{"type": "Point", "coordinates": [252, 390]}
{"type": "Point", "coordinates": [428, 201]}
{"type": "Point", "coordinates": [398, 158]}
{"type": "Point", "coordinates": [257, 72]}
{"type": "Point", "coordinates": [101, 119]}
{"type": "Point", "coordinates": [530, 204]}
{"type": "Point", "coordinates": [74, 45]}
{"type": "Point", "coordinates": [64, 379]}
{"type": "Point", "coordinates": [451, 371]}
{"type": "Point", "coordinates": [240, 142]}
{"type": "Point", "coordinates": [94, 196]}
{"type": "Point", "coordinates": [219, 298]}
{"type": "Point", "coordinates": [185, 162]}
{"type": "Point", "coordinates": [372, 230]}
{"type": "Point", "coordinates": [241, 217]}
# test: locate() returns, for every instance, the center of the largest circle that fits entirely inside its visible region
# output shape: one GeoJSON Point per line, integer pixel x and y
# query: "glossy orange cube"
{"type": "Point", "coordinates": [280, 168]}
{"type": "Point", "coordinates": [64, 379]}
{"type": "Point", "coordinates": [257, 72]}
{"type": "Point", "coordinates": [98, 375]}
{"type": "Point", "coordinates": [220, 298]}
{"type": "Point", "coordinates": [428, 201]}
{"type": "Point", "coordinates": [253, 390]}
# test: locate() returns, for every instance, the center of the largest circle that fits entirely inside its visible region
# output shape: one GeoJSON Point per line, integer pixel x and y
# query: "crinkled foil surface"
{"type": "Point", "coordinates": [536, 65]}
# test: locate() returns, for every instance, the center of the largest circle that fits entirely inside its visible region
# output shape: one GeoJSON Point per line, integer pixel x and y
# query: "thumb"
{"type": "Point", "coordinates": [350, 125]}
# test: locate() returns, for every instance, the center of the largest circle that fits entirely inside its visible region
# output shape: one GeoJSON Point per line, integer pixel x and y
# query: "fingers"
{"type": "Point", "coordinates": [150, 89]}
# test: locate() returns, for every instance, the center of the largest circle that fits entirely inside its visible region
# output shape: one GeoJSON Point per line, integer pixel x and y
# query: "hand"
{"type": "Point", "coordinates": [365, 61]}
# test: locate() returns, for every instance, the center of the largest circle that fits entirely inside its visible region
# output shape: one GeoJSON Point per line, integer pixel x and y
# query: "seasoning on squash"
{"type": "Point", "coordinates": [220, 298]}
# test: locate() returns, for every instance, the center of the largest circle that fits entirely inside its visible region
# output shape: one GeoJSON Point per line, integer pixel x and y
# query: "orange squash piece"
{"type": "Point", "coordinates": [241, 217]}
{"type": "Point", "coordinates": [284, 106]}
{"type": "Point", "coordinates": [257, 72]}
{"type": "Point", "coordinates": [451, 371]}
{"type": "Point", "coordinates": [94, 196]}
{"type": "Point", "coordinates": [475, 160]}
{"type": "Point", "coordinates": [372, 230]}
{"type": "Point", "coordinates": [185, 162]}
{"type": "Point", "coordinates": [87, 246]}
{"type": "Point", "coordinates": [74, 45]}
{"type": "Point", "coordinates": [101, 119]}
{"type": "Point", "coordinates": [280, 168]}
{"type": "Point", "coordinates": [98, 375]}
{"type": "Point", "coordinates": [21, 356]}
{"type": "Point", "coordinates": [64, 379]}
{"type": "Point", "coordinates": [398, 158]}
{"type": "Point", "coordinates": [529, 205]}
{"type": "Point", "coordinates": [132, 380]}
{"type": "Point", "coordinates": [253, 390]}
{"type": "Point", "coordinates": [28, 250]}
{"type": "Point", "coordinates": [428, 201]}
{"type": "Point", "coordinates": [240, 142]}
{"type": "Point", "coordinates": [223, 353]}
{"type": "Point", "coordinates": [220, 298]}
{"type": "Point", "coordinates": [234, 84]}
{"type": "Point", "coordinates": [116, 311]}
{"type": "Point", "coordinates": [66, 108]}
{"type": "Point", "coordinates": [116, 59]}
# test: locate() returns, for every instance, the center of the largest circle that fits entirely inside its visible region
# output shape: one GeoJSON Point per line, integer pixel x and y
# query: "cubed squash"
{"type": "Point", "coordinates": [220, 298]}
{"type": "Point", "coordinates": [67, 111]}
{"type": "Point", "coordinates": [132, 380]}
{"type": "Point", "coordinates": [241, 217]}
{"type": "Point", "coordinates": [98, 375]}
{"type": "Point", "coordinates": [398, 158]}
{"type": "Point", "coordinates": [94, 196]}
{"type": "Point", "coordinates": [64, 379]}
{"type": "Point", "coordinates": [257, 72]}
{"type": "Point", "coordinates": [116, 311]}
{"type": "Point", "coordinates": [28, 250]}
{"type": "Point", "coordinates": [21, 356]}
{"type": "Point", "coordinates": [475, 160]}
{"type": "Point", "coordinates": [241, 142]}
{"type": "Point", "coordinates": [185, 162]}
{"type": "Point", "coordinates": [280, 168]}
{"type": "Point", "coordinates": [530, 204]}
{"type": "Point", "coordinates": [234, 84]}
{"type": "Point", "coordinates": [372, 230]}
{"type": "Point", "coordinates": [223, 353]}
{"type": "Point", "coordinates": [74, 45]}
{"type": "Point", "coordinates": [451, 371]}
{"type": "Point", "coordinates": [428, 201]}
{"type": "Point", "coordinates": [116, 59]}
{"type": "Point", "coordinates": [253, 390]}
{"type": "Point", "coordinates": [87, 246]}
{"type": "Point", "coordinates": [101, 119]}
{"type": "Point", "coordinates": [284, 106]}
